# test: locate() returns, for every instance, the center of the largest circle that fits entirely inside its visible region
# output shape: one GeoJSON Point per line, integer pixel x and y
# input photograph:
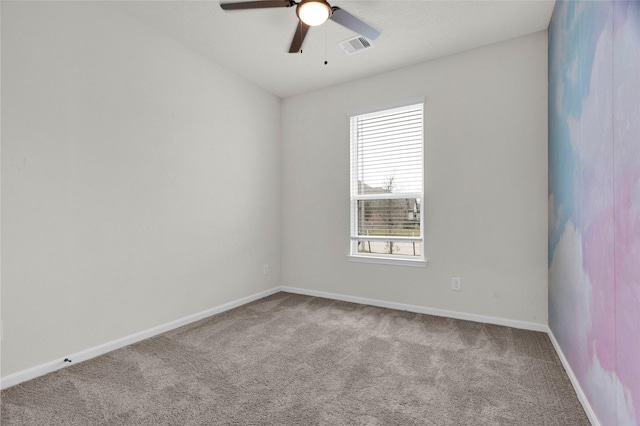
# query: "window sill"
{"type": "Point", "coordinates": [422, 263]}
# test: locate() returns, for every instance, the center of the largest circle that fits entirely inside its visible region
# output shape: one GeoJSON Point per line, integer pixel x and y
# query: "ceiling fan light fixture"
{"type": "Point", "coordinates": [313, 12]}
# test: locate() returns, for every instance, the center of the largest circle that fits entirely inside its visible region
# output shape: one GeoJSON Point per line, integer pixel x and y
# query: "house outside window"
{"type": "Point", "coordinates": [387, 180]}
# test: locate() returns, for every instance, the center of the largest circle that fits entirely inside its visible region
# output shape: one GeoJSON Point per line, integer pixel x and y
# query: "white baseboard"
{"type": "Point", "coordinates": [574, 381]}
{"type": "Point", "coordinates": [420, 309]}
{"type": "Point", "coordinates": [48, 367]}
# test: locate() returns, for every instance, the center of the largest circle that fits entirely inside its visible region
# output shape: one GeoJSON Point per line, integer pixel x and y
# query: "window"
{"type": "Point", "coordinates": [387, 185]}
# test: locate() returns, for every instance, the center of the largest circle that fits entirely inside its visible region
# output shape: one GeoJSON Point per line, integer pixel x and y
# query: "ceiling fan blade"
{"type": "Point", "coordinates": [298, 37]}
{"type": "Point", "coordinates": [260, 4]}
{"type": "Point", "coordinates": [347, 20]}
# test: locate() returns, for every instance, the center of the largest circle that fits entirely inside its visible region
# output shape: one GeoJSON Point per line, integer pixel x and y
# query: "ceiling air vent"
{"type": "Point", "coordinates": [355, 45]}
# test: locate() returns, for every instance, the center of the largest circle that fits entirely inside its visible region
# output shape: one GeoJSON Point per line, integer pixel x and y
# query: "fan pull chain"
{"type": "Point", "coordinates": [299, 34]}
{"type": "Point", "coordinates": [325, 44]}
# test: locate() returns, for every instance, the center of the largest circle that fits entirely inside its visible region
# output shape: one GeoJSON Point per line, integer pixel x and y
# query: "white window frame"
{"type": "Point", "coordinates": [354, 255]}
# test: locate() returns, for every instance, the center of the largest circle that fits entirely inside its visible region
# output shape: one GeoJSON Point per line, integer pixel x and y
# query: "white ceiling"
{"type": "Point", "coordinates": [254, 43]}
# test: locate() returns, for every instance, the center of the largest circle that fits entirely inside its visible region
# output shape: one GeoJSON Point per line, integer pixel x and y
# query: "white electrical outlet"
{"type": "Point", "coordinates": [265, 269]}
{"type": "Point", "coordinates": [456, 283]}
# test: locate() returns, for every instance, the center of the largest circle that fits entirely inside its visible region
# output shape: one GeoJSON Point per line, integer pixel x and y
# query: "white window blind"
{"type": "Point", "coordinates": [387, 183]}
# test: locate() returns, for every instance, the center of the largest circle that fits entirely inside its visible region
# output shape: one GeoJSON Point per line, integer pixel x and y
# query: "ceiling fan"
{"type": "Point", "coordinates": [310, 14]}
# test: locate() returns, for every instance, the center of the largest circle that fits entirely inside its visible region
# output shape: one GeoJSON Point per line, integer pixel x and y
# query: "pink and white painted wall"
{"type": "Point", "coordinates": [594, 200]}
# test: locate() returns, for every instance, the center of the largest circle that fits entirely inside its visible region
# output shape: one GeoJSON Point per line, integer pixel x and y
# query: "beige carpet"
{"type": "Point", "coordinates": [298, 360]}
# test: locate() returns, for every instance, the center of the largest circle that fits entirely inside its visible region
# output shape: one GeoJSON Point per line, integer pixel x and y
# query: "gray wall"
{"type": "Point", "coordinates": [485, 185]}
{"type": "Point", "coordinates": [140, 181]}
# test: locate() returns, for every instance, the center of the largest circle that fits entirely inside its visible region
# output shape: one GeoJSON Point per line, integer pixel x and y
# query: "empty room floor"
{"type": "Point", "coordinates": [299, 360]}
